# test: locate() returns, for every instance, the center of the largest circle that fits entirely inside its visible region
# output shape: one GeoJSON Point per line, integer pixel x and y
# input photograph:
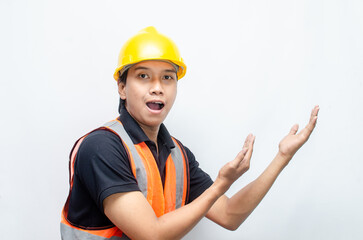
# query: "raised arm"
{"type": "Point", "coordinates": [134, 216]}
{"type": "Point", "coordinates": [231, 212]}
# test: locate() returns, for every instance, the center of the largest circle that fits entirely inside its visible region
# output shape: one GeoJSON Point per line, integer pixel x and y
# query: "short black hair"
{"type": "Point", "coordinates": [122, 79]}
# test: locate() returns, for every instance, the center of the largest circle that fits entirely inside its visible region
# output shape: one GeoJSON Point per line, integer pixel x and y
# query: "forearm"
{"type": "Point", "coordinates": [139, 221]}
{"type": "Point", "coordinates": [178, 223]}
{"type": "Point", "coordinates": [241, 205]}
{"type": "Point", "coordinates": [193, 212]}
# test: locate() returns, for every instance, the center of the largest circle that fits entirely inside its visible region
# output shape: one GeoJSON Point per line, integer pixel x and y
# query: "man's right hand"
{"type": "Point", "coordinates": [230, 172]}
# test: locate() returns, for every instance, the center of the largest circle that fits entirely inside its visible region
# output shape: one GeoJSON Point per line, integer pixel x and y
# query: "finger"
{"type": "Point", "coordinates": [252, 142]}
{"type": "Point", "coordinates": [240, 156]}
{"type": "Point", "coordinates": [247, 141]}
{"type": "Point", "coordinates": [250, 149]}
{"type": "Point", "coordinates": [245, 150]}
{"type": "Point", "coordinates": [316, 110]}
{"type": "Point", "coordinates": [314, 114]}
{"type": "Point", "coordinates": [294, 129]}
{"type": "Point", "coordinates": [312, 122]}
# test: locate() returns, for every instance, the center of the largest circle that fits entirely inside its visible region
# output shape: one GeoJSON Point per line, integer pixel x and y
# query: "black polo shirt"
{"type": "Point", "coordinates": [102, 168]}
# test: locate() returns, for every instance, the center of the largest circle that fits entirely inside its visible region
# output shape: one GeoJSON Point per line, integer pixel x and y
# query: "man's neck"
{"type": "Point", "coordinates": [151, 132]}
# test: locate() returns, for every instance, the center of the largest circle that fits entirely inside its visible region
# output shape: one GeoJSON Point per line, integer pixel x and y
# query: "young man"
{"type": "Point", "coordinates": [131, 180]}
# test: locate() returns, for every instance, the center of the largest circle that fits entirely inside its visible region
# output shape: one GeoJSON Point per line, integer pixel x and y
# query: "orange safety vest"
{"type": "Point", "coordinates": [146, 172]}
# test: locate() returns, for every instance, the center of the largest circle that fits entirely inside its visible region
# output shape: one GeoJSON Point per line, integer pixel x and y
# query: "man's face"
{"type": "Point", "coordinates": [150, 91]}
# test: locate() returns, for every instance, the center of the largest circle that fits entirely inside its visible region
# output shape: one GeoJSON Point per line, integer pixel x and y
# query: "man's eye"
{"type": "Point", "coordinates": [143, 75]}
{"type": "Point", "coordinates": [167, 77]}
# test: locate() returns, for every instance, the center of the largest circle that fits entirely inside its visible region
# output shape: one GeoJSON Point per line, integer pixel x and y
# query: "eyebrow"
{"type": "Point", "coordinates": [142, 68]}
{"type": "Point", "coordinates": [145, 68]}
{"type": "Point", "coordinates": [171, 70]}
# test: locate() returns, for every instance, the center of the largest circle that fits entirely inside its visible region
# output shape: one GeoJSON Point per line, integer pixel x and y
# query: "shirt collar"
{"type": "Point", "coordinates": [136, 133]}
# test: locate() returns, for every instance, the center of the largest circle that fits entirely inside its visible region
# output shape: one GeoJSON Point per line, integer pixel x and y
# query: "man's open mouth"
{"type": "Point", "coordinates": [155, 105]}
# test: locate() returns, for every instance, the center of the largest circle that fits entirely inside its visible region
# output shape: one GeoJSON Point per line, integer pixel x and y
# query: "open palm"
{"type": "Point", "coordinates": [293, 141]}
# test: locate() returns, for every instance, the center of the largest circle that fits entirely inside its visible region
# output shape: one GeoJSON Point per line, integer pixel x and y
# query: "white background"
{"type": "Point", "coordinates": [253, 66]}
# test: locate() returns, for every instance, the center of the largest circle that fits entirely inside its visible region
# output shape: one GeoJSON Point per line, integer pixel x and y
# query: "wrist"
{"type": "Point", "coordinates": [218, 187]}
{"type": "Point", "coordinates": [283, 159]}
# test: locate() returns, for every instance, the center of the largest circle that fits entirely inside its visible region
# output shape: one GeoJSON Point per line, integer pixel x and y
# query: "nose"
{"type": "Point", "coordinates": [156, 88]}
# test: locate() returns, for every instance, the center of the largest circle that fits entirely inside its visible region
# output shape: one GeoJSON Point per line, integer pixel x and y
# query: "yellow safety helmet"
{"type": "Point", "coordinates": [149, 44]}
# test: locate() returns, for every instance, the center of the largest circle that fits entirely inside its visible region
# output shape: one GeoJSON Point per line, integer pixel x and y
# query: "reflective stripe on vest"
{"type": "Point", "coordinates": [146, 172]}
{"type": "Point", "coordinates": [70, 232]}
{"type": "Point", "coordinates": [173, 195]}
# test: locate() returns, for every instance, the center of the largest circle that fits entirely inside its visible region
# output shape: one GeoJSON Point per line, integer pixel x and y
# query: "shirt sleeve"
{"type": "Point", "coordinates": [102, 165]}
{"type": "Point", "coordinates": [199, 180]}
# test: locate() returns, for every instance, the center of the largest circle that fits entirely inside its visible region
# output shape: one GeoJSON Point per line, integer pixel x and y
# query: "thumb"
{"type": "Point", "coordinates": [294, 129]}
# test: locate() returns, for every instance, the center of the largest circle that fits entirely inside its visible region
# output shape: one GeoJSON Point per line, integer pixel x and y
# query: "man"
{"type": "Point", "coordinates": [131, 180]}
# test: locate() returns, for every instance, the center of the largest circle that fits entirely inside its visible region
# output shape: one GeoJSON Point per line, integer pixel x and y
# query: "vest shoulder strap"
{"type": "Point", "coordinates": [116, 127]}
{"type": "Point", "coordinates": [178, 156]}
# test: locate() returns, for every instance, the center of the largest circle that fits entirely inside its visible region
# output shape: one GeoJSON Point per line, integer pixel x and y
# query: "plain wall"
{"type": "Point", "coordinates": [253, 66]}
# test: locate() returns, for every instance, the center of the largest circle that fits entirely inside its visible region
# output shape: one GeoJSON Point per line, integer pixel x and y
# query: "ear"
{"type": "Point", "coordinates": [121, 90]}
